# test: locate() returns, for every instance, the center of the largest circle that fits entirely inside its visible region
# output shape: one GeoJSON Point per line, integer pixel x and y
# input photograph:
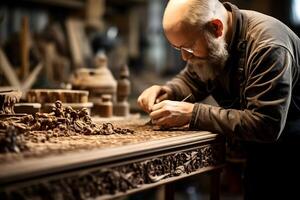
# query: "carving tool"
{"type": "Point", "coordinates": [183, 100]}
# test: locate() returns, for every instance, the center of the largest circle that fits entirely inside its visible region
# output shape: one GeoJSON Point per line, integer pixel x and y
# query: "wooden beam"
{"type": "Point", "coordinates": [74, 26]}
{"type": "Point", "coordinates": [24, 41]}
{"type": "Point", "coordinates": [8, 70]}
{"type": "Point", "coordinates": [30, 80]}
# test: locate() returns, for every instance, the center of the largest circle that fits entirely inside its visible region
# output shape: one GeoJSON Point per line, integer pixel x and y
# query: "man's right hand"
{"type": "Point", "coordinates": [153, 95]}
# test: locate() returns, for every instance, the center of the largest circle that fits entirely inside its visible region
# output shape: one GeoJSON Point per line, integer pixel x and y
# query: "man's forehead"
{"type": "Point", "coordinates": [175, 12]}
{"type": "Point", "coordinates": [183, 29]}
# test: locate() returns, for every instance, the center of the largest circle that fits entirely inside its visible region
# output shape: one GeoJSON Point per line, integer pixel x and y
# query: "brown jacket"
{"type": "Point", "coordinates": [259, 91]}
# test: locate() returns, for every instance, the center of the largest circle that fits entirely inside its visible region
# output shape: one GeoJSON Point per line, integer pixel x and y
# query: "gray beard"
{"type": "Point", "coordinates": [210, 68]}
{"type": "Point", "coordinates": [205, 70]}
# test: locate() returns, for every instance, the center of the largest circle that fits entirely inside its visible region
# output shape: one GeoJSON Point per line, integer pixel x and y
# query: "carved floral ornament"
{"type": "Point", "coordinates": [109, 181]}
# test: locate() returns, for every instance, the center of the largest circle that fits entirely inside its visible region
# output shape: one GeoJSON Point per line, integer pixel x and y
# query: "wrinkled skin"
{"type": "Point", "coordinates": [153, 95]}
{"type": "Point", "coordinates": [171, 113]}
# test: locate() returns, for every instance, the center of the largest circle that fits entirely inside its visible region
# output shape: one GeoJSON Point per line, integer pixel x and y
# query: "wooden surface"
{"type": "Point", "coordinates": [71, 157]}
{"type": "Point", "coordinates": [77, 143]}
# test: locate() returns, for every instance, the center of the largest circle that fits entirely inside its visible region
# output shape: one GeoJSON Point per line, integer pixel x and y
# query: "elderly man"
{"type": "Point", "coordinates": [250, 63]}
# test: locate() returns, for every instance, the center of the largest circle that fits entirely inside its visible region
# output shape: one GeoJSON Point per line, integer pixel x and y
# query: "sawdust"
{"type": "Point", "coordinates": [41, 146]}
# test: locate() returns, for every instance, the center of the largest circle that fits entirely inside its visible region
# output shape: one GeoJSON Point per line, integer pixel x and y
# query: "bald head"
{"type": "Point", "coordinates": [175, 13]}
{"type": "Point", "coordinates": [190, 12]}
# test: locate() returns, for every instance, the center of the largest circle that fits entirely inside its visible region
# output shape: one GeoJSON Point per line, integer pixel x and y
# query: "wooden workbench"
{"type": "Point", "coordinates": [106, 167]}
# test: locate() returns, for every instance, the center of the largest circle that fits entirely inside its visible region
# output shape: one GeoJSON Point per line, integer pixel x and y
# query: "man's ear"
{"type": "Point", "coordinates": [217, 27]}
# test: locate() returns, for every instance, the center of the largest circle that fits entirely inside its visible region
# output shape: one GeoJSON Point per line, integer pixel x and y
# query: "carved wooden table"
{"type": "Point", "coordinates": [156, 158]}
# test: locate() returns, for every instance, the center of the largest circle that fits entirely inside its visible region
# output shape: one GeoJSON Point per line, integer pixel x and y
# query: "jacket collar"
{"type": "Point", "coordinates": [238, 27]}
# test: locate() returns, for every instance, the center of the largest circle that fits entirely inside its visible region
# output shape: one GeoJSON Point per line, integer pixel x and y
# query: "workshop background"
{"type": "Point", "coordinates": [67, 35]}
{"type": "Point", "coordinates": [129, 31]}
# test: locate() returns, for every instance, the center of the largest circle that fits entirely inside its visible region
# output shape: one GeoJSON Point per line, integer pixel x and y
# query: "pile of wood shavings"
{"type": "Point", "coordinates": [61, 122]}
{"type": "Point", "coordinates": [79, 142]}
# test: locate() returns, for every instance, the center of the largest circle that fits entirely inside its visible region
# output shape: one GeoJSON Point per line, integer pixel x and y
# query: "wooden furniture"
{"type": "Point", "coordinates": [131, 163]}
{"type": "Point", "coordinates": [77, 99]}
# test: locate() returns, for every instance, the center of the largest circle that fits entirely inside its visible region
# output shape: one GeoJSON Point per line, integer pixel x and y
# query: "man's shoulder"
{"type": "Point", "coordinates": [264, 30]}
{"type": "Point", "coordinates": [261, 26]}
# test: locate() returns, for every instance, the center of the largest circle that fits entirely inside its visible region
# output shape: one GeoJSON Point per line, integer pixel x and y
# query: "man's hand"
{"type": "Point", "coordinates": [171, 113]}
{"type": "Point", "coordinates": [153, 95]}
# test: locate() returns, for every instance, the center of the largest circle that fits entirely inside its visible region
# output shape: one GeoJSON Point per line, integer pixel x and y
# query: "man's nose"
{"type": "Point", "coordinates": [185, 55]}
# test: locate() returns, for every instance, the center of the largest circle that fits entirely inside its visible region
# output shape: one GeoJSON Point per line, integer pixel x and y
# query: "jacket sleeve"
{"type": "Point", "coordinates": [266, 95]}
{"type": "Point", "coordinates": [187, 82]}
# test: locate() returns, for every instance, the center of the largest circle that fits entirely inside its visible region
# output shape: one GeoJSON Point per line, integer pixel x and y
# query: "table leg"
{"type": "Point", "coordinates": [160, 193]}
{"type": "Point", "coordinates": [215, 185]}
{"type": "Point", "coordinates": [169, 192]}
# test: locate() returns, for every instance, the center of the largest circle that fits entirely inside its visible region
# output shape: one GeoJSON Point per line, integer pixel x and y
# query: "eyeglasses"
{"type": "Point", "coordinates": [189, 50]}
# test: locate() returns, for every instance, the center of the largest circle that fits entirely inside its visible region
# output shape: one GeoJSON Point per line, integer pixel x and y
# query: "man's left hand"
{"type": "Point", "coordinates": [171, 113]}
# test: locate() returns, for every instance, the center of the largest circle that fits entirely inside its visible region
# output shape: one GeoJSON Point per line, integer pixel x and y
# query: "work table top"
{"type": "Point", "coordinates": [68, 153]}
